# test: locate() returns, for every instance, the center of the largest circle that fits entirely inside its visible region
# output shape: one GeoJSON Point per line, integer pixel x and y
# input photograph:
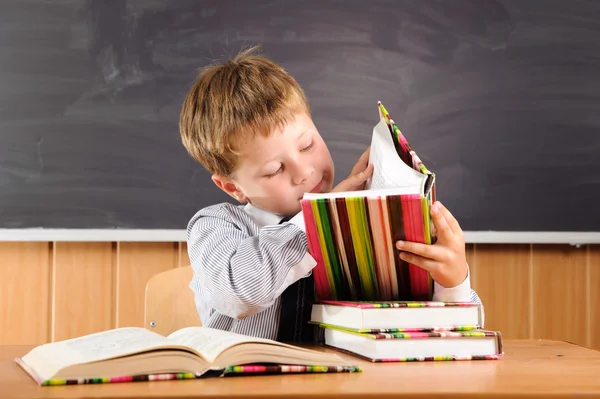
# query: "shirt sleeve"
{"type": "Point", "coordinates": [241, 272]}
{"type": "Point", "coordinates": [459, 293]}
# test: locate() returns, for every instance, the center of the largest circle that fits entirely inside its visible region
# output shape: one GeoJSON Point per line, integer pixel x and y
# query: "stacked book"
{"type": "Point", "coordinates": [407, 331]}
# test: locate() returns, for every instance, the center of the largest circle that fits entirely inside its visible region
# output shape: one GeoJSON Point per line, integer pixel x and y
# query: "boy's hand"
{"type": "Point", "coordinates": [359, 175]}
{"type": "Point", "coordinates": [445, 260]}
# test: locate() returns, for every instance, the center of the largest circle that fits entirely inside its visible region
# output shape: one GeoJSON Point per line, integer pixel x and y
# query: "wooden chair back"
{"type": "Point", "coordinates": [169, 302]}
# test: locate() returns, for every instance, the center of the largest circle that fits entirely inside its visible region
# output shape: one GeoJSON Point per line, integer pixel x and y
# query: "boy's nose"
{"type": "Point", "coordinates": [303, 173]}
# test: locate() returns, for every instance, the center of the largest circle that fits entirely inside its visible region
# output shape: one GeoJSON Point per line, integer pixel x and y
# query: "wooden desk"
{"type": "Point", "coordinates": [530, 369]}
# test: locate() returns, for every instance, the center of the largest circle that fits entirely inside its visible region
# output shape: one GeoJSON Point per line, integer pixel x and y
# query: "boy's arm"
{"type": "Point", "coordinates": [241, 272]}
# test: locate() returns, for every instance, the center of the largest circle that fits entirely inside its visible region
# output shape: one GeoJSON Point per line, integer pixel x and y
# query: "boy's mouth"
{"type": "Point", "coordinates": [317, 187]}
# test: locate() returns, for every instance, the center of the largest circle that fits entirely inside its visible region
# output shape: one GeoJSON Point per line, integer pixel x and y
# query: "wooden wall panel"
{"type": "Point", "coordinates": [61, 290]}
{"type": "Point", "coordinates": [594, 296]}
{"type": "Point", "coordinates": [24, 292]}
{"type": "Point", "coordinates": [136, 264]}
{"type": "Point", "coordinates": [83, 288]}
{"type": "Point", "coordinates": [501, 276]}
{"type": "Point", "coordinates": [470, 254]}
{"type": "Point", "coordinates": [559, 293]}
{"type": "Point", "coordinates": [184, 259]}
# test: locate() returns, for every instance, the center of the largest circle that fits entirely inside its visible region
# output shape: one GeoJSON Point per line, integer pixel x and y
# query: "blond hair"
{"type": "Point", "coordinates": [234, 101]}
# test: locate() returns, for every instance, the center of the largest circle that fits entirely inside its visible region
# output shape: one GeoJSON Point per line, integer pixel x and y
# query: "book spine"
{"type": "Point", "coordinates": [400, 150]}
{"type": "Point", "coordinates": [419, 359]}
{"type": "Point", "coordinates": [232, 370]}
{"type": "Point", "coordinates": [438, 358]}
{"type": "Point", "coordinates": [437, 334]}
{"type": "Point", "coordinates": [371, 331]}
{"type": "Point", "coordinates": [426, 220]}
{"type": "Point", "coordinates": [114, 380]}
{"type": "Point", "coordinates": [288, 369]}
{"type": "Point", "coordinates": [499, 344]}
{"type": "Point", "coordinates": [400, 304]}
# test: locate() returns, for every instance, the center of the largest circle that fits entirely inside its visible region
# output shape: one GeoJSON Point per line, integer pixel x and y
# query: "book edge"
{"type": "Point", "coordinates": [397, 330]}
{"type": "Point", "coordinates": [365, 305]}
{"type": "Point", "coordinates": [412, 335]}
{"type": "Point", "coordinates": [422, 359]}
{"type": "Point", "coordinates": [29, 370]}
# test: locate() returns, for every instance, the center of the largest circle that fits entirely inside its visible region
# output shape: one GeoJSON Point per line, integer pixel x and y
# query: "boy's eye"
{"type": "Point", "coordinates": [307, 148]}
{"type": "Point", "coordinates": [278, 171]}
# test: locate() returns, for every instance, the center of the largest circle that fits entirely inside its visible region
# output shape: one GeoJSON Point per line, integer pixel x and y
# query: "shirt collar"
{"type": "Point", "coordinates": [262, 217]}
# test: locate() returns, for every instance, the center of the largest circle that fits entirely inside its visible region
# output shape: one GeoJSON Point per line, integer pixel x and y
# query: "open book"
{"type": "Point", "coordinates": [137, 354]}
{"type": "Point", "coordinates": [352, 235]}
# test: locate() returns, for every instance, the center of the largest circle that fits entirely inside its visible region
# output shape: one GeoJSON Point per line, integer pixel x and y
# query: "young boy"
{"type": "Point", "coordinates": [249, 123]}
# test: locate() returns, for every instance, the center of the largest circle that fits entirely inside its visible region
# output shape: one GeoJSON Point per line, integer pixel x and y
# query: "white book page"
{"type": "Point", "coordinates": [389, 171]}
{"type": "Point", "coordinates": [49, 358]}
{"type": "Point", "coordinates": [210, 342]}
{"type": "Point", "coordinates": [363, 193]}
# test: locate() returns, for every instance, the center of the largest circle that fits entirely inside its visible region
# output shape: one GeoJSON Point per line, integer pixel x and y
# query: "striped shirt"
{"type": "Point", "coordinates": [243, 260]}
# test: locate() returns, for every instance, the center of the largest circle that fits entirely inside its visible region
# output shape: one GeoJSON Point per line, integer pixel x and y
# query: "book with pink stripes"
{"type": "Point", "coordinates": [352, 235]}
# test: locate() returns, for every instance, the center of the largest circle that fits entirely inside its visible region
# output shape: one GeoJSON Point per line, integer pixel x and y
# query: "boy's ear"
{"type": "Point", "coordinates": [230, 187]}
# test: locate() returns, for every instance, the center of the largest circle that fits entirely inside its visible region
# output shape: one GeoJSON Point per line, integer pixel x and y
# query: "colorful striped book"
{"type": "Point", "coordinates": [132, 354]}
{"type": "Point", "coordinates": [391, 317]}
{"type": "Point", "coordinates": [352, 235]}
{"type": "Point", "coordinates": [417, 346]}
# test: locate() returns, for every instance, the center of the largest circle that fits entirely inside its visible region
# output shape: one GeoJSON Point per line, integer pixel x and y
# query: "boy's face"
{"type": "Point", "coordinates": [274, 172]}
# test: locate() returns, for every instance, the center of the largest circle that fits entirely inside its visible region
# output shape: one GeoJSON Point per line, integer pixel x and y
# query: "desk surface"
{"type": "Point", "coordinates": [535, 368]}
